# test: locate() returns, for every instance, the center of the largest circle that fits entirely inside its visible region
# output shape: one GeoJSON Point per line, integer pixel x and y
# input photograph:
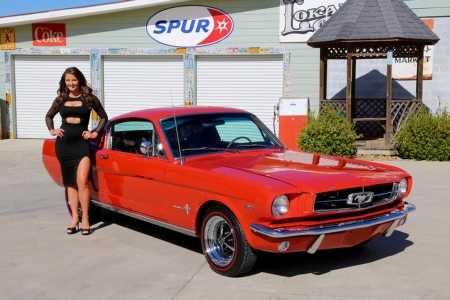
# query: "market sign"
{"type": "Point", "coordinates": [51, 34]}
{"type": "Point", "coordinates": [405, 68]}
{"type": "Point", "coordinates": [299, 19]}
{"type": "Point", "coordinates": [190, 26]}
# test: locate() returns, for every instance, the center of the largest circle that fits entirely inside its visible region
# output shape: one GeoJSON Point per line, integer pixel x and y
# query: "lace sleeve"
{"type": "Point", "coordinates": [54, 109]}
{"type": "Point", "coordinates": [98, 108]}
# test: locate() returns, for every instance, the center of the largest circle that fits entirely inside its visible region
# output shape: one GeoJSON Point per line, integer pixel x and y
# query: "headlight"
{"type": "Point", "coordinates": [280, 206]}
{"type": "Point", "coordinates": [402, 187]}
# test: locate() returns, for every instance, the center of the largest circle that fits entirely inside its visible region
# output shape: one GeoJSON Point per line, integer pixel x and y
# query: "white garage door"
{"type": "Point", "coordinates": [140, 82]}
{"type": "Point", "coordinates": [253, 83]}
{"type": "Point", "coordinates": [36, 85]}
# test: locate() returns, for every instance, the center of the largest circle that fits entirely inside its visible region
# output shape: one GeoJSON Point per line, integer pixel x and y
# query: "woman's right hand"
{"type": "Point", "coordinates": [58, 132]}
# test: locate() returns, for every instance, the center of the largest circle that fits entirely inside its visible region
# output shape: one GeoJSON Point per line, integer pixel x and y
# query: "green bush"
{"type": "Point", "coordinates": [425, 136]}
{"type": "Point", "coordinates": [328, 133]}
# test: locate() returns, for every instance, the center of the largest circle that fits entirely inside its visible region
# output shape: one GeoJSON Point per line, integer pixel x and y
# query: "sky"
{"type": "Point", "coordinates": [15, 7]}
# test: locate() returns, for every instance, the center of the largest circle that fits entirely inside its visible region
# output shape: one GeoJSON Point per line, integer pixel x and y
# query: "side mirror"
{"type": "Point", "coordinates": [145, 149]}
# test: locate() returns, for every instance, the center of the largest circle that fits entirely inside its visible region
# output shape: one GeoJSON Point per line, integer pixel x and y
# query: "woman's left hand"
{"type": "Point", "coordinates": [89, 135]}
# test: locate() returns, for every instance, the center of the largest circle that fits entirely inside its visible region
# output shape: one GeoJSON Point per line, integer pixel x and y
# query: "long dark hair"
{"type": "Point", "coordinates": [63, 91]}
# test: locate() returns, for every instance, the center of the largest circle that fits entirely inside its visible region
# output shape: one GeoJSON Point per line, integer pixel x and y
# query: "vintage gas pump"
{"type": "Point", "coordinates": [293, 114]}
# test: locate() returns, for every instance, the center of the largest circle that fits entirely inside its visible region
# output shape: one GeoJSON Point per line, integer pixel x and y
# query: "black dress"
{"type": "Point", "coordinates": [71, 148]}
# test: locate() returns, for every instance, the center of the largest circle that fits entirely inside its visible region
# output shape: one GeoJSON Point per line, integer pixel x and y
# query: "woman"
{"type": "Point", "coordinates": [74, 103]}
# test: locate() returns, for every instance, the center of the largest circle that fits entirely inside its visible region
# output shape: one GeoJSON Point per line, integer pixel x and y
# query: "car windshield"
{"type": "Point", "coordinates": [207, 133]}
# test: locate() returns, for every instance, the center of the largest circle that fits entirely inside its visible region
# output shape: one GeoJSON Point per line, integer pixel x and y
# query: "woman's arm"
{"type": "Point", "coordinates": [54, 109]}
{"type": "Point", "coordinates": [98, 108]}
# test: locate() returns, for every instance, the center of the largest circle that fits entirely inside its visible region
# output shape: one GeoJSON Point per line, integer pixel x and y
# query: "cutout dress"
{"type": "Point", "coordinates": [71, 148]}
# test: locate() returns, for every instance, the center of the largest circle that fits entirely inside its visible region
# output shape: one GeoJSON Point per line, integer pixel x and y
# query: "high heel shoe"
{"type": "Point", "coordinates": [72, 230]}
{"type": "Point", "coordinates": [85, 231]}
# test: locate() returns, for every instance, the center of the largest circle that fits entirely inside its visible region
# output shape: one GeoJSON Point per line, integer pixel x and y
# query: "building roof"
{"type": "Point", "coordinates": [373, 20]}
{"type": "Point", "coordinates": [82, 11]}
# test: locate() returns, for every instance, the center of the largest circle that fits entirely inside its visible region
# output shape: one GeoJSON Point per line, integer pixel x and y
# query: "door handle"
{"type": "Point", "coordinates": [103, 156]}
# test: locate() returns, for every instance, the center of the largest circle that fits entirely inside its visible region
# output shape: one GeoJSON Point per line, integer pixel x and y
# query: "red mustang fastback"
{"type": "Point", "coordinates": [221, 175]}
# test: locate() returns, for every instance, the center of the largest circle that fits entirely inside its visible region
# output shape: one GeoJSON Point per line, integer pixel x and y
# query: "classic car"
{"type": "Point", "coordinates": [221, 175]}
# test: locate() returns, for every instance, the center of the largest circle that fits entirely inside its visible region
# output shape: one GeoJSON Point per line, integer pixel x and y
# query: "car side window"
{"type": "Point", "coordinates": [128, 136]}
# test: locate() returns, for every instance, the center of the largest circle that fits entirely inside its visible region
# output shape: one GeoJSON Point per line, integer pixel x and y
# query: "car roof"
{"type": "Point", "coordinates": [164, 112]}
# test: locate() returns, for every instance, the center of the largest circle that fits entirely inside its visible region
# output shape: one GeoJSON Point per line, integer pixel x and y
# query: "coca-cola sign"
{"type": "Point", "coordinates": [299, 19]}
{"type": "Point", "coordinates": [52, 34]}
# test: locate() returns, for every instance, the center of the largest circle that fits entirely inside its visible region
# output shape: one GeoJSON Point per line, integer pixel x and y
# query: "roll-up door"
{"type": "Point", "coordinates": [140, 82]}
{"type": "Point", "coordinates": [36, 84]}
{"type": "Point", "coordinates": [253, 83]}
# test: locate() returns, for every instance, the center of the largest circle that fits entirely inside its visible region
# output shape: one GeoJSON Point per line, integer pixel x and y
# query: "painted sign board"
{"type": "Point", "coordinates": [299, 19]}
{"type": "Point", "coordinates": [190, 26]}
{"type": "Point", "coordinates": [7, 39]}
{"type": "Point", "coordinates": [405, 68]}
{"type": "Point", "coordinates": [51, 34]}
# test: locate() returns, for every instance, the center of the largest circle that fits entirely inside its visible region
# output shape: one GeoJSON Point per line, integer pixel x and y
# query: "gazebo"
{"type": "Point", "coordinates": [373, 29]}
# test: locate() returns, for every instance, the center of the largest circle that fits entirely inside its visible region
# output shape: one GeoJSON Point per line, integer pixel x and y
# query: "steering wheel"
{"type": "Point", "coordinates": [238, 138]}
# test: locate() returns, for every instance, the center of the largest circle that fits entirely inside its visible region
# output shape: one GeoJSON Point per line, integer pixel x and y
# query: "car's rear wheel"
{"type": "Point", "coordinates": [94, 210]}
{"type": "Point", "coordinates": [224, 244]}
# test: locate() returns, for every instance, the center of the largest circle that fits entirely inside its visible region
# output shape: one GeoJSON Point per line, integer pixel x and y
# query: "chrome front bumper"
{"type": "Point", "coordinates": [396, 216]}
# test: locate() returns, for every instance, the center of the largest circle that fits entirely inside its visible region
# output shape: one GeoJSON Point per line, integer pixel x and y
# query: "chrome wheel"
{"type": "Point", "coordinates": [219, 241]}
{"type": "Point", "coordinates": [224, 244]}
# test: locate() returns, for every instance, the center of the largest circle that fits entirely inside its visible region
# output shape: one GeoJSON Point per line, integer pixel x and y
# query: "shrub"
{"type": "Point", "coordinates": [425, 136]}
{"type": "Point", "coordinates": [328, 133]}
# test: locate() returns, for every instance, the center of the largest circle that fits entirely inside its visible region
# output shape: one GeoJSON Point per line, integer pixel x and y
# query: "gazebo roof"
{"type": "Point", "coordinates": [359, 20]}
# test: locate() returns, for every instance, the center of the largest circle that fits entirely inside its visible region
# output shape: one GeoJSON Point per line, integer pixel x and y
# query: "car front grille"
{"type": "Point", "coordinates": [355, 198]}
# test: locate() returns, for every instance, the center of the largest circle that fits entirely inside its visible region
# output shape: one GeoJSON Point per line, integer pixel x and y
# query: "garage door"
{"type": "Point", "coordinates": [36, 84]}
{"type": "Point", "coordinates": [253, 83]}
{"type": "Point", "coordinates": [140, 82]}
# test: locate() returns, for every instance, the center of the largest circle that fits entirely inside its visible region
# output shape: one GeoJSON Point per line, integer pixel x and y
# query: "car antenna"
{"type": "Point", "coordinates": [176, 130]}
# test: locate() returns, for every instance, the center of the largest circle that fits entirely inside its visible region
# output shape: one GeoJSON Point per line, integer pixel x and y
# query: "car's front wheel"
{"type": "Point", "coordinates": [224, 244]}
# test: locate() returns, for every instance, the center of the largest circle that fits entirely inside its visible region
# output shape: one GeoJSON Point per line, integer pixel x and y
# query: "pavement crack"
{"type": "Point", "coordinates": [192, 277]}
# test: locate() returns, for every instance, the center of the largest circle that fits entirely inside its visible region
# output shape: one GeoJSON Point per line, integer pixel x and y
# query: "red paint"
{"type": "Point", "coordinates": [160, 188]}
{"type": "Point", "coordinates": [52, 34]}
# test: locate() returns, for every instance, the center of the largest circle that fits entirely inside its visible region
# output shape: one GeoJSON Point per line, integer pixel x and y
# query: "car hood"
{"type": "Point", "coordinates": [310, 172]}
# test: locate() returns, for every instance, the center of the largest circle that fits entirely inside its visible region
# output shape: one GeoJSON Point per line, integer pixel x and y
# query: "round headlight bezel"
{"type": "Point", "coordinates": [402, 187]}
{"type": "Point", "coordinates": [280, 206]}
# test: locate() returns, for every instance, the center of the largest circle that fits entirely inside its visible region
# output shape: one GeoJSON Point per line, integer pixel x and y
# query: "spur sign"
{"type": "Point", "coordinates": [49, 34]}
{"type": "Point", "coordinates": [299, 19]}
{"type": "Point", "coordinates": [190, 26]}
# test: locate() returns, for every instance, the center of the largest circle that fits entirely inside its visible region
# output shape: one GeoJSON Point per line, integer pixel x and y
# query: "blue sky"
{"type": "Point", "coordinates": [15, 7]}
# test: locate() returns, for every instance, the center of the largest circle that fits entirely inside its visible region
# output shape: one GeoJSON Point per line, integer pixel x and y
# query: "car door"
{"type": "Point", "coordinates": [128, 179]}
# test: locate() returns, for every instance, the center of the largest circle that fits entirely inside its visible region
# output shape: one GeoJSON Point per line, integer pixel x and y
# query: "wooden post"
{"type": "Point", "coordinates": [353, 95]}
{"type": "Point", "coordinates": [419, 83]}
{"type": "Point", "coordinates": [348, 103]}
{"type": "Point", "coordinates": [387, 137]}
{"type": "Point", "coordinates": [323, 76]}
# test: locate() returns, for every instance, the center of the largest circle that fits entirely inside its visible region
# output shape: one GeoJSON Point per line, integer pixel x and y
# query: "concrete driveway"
{"type": "Point", "coordinates": [130, 259]}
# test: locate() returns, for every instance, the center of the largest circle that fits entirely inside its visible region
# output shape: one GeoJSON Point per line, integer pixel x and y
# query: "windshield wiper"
{"type": "Point", "coordinates": [253, 146]}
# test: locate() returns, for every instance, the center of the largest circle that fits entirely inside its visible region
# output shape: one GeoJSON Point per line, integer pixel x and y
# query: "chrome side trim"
{"type": "Point", "coordinates": [280, 233]}
{"type": "Point", "coordinates": [145, 219]}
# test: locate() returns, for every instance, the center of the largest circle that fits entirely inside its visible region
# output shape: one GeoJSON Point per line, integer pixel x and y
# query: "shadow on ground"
{"type": "Point", "coordinates": [288, 265]}
{"type": "Point", "coordinates": [325, 261]}
{"type": "Point", "coordinates": [107, 218]}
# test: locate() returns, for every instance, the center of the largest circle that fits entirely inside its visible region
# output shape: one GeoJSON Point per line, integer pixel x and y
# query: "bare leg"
{"type": "Point", "coordinates": [72, 194]}
{"type": "Point", "coordinates": [84, 193]}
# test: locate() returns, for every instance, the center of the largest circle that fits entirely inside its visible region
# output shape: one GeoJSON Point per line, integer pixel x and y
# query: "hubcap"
{"type": "Point", "coordinates": [219, 241]}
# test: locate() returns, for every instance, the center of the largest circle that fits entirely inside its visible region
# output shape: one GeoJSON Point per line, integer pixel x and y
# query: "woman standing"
{"type": "Point", "coordinates": [74, 103]}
